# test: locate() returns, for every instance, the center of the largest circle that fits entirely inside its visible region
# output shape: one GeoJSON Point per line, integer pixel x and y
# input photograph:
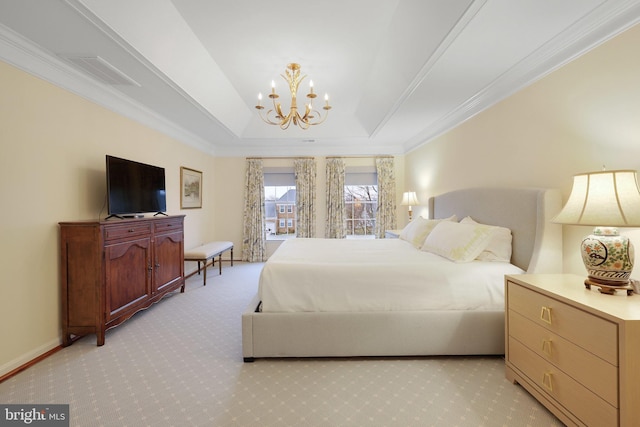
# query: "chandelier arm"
{"type": "Point", "coordinates": [285, 121]}
{"type": "Point", "coordinates": [307, 110]}
{"type": "Point", "coordinates": [284, 125]}
{"type": "Point", "coordinates": [278, 109]}
{"type": "Point", "coordinates": [302, 122]}
{"type": "Point", "coordinates": [320, 118]}
{"type": "Point", "coordinates": [265, 118]}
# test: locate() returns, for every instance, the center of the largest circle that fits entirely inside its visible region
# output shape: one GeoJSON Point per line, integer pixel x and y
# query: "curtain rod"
{"type": "Point", "coordinates": [277, 158]}
{"type": "Point", "coordinates": [359, 157]}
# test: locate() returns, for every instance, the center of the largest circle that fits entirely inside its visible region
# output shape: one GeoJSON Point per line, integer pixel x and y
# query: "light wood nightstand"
{"type": "Point", "coordinates": [575, 350]}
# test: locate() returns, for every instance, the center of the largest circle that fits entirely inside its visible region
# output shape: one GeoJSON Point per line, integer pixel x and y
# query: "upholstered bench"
{"type": "Point", "coordinates": [209, 251]}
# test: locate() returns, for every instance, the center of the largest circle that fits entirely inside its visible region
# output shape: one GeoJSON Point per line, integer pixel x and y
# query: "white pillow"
{"type": "Point", "coordinates": [458, 242]}
{"type": "Point", "coordinates": [499, 248]}
{"type": "Point", "coordinates": [417, 230]}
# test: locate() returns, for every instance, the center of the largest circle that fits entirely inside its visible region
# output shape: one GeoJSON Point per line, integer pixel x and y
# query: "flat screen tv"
{"type": "Point", "coordinates": [134, 188]}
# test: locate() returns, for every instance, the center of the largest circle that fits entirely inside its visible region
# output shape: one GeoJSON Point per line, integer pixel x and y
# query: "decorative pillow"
{"type": "Point", "coordinates": [417, 230]}
{"type": "Point", "coordinates": [458, 242]}
{"type": "Point", "coordinates": [499, 248]}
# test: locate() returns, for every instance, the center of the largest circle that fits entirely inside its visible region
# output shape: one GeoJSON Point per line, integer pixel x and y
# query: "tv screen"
{"type": "Point", "coordinates": [134, 188]}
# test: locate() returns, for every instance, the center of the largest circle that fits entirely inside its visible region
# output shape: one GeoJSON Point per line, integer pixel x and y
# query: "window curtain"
{"type": "Point", "coordinates": [386, 215]}
{"type": "Point", "coordinates": [335, 223]}
{"type": "Point", "coordinates": [305, 171]}
{"type": "Point", "coordinates": [254, 248]}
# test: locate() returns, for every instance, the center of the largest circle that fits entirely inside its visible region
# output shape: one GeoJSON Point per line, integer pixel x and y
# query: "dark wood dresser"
{"type": "Point", "coordinates": [111, 269]}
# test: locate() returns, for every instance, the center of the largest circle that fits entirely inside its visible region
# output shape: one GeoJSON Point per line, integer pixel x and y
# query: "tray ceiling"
{"type": "Point", "coordinates": [398, 72]}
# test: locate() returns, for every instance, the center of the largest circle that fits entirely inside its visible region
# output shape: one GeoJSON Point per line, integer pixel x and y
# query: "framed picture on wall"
{"type": "Point", "coordinates": [190, 188]}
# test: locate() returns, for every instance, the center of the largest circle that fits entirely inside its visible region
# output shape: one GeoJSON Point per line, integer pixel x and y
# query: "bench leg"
{"type": "Point", "coordinates": [220, 262]}
{"type": "Point", "coordinates": [205, 263]}
{"type": "Point", "coordinates": [231, 256]}
{"type": "Point", "coordinates": [204, 274]}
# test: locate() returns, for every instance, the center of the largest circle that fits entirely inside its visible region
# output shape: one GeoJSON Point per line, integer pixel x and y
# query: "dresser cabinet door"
{"type": "Point", "coordinates": [168, 266]}
{"type": "Point", "coordinates": [128, 276]}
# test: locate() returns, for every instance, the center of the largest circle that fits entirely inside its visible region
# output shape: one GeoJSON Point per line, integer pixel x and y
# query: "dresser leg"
{"type": "Point", "coordinates": [100, 335]}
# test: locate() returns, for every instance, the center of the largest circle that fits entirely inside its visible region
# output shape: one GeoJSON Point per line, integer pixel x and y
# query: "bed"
{"type": "Point", "coordinates": [295, 322]}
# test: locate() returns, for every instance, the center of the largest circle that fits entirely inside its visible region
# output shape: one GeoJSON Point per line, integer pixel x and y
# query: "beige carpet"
{"type": "Point", "coordinates": [180, 364]}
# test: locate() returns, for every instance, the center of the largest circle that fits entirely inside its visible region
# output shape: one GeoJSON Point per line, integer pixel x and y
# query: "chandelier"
{"type": "Point", "coordinates": [275, 115]}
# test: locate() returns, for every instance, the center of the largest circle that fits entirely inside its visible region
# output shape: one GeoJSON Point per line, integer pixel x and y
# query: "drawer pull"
{"type": "Point", "coordinates": [546, 347]}
{"type": "Point", "coordinates": [547, 382]}
{"type": "Point", "coordinates": [545, 314]}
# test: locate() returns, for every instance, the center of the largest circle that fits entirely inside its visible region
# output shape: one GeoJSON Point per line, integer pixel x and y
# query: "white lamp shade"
{"type": "Point", "coordinates": [607, 198]}
{"type": "Point", "coordinates": [409, 198]}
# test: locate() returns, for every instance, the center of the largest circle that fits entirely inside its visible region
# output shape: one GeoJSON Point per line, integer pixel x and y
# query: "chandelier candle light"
{"type": "Point", "coordinates": [606, 200]}
{"type": "Point", "coordinates": [275, 116]}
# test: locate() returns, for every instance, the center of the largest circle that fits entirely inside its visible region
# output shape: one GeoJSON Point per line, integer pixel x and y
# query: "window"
{"type": "Point", "coordinates": [361, 201]}
{"type": "Point", "coordinates": [279, 203]}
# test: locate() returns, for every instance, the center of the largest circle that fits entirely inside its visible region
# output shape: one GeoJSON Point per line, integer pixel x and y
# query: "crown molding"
{"type": "Point", "coordinates": [21, 53]}
{"type": "Point", "coordinates": [602, 24]}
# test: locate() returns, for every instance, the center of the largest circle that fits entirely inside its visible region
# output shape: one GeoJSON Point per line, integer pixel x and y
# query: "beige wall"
{"type": "Point", "coordinates": [52, 163]}
{"type": "Point", "coordinates": [229, 195]}
{"type": "Point", "coordinates": [577, 119]}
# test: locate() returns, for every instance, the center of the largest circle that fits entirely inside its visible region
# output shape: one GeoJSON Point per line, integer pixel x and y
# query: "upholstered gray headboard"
{"type": "Point", "coordinates": [527, 212]}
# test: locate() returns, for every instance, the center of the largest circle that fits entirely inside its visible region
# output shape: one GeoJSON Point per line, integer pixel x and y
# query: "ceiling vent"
{"type": "Point", "coordinates": [102, 70]}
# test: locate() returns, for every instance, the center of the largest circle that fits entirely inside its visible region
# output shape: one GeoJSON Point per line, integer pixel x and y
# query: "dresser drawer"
{"type": "Point", "coordinates": [583, 329]}
{"type": "Point", "coordinates": [589, 370]}
{"type": "Point", "coordinates": [167, 225]}
{"type": "Point", "coordinates": [577, 399]}
{"type": "Point", "coordinates": [127, 230]}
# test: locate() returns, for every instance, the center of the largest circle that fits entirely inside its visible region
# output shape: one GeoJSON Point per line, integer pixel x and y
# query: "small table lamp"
{"type": "Point", "coordinates": [605, 200]}
{"type": "Point", "coordinates": [409, 198]}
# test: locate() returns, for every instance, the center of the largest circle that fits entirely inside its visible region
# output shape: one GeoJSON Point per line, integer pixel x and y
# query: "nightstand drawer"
{"type": "Point", "coordinates": [577, 399]}
{"type": "Point", "coordinates": [594, 373]}
{"type": "Point", "coordinates": [598, 335]}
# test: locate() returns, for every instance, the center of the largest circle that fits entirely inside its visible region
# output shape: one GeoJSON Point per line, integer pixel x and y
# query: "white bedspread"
{"type": "Point", "coordinates": [376, 275]}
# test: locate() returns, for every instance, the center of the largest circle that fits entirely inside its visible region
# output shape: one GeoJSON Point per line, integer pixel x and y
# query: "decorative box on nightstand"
{"type": "Point", "coordinates": [574, 349]}
{"type": "Point", "coordinates": [392, 234]}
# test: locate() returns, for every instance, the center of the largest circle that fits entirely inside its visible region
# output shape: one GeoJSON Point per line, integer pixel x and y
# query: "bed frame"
{"type": "Point", "coordinates": [537, 248]}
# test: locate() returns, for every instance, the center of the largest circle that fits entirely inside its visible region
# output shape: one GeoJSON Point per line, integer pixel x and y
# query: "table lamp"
{"type": "Point", "coordinates": [409, 198]}
{"type": "Point", "coordinates": [606, 200]}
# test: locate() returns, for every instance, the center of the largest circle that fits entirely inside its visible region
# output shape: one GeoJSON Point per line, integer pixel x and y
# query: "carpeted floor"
{"type": "Point", "coordinates": [179, 363]}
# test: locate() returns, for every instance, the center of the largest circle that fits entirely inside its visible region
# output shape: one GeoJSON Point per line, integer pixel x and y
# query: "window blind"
{"type": "Point", "coordinates": [283, 176]}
